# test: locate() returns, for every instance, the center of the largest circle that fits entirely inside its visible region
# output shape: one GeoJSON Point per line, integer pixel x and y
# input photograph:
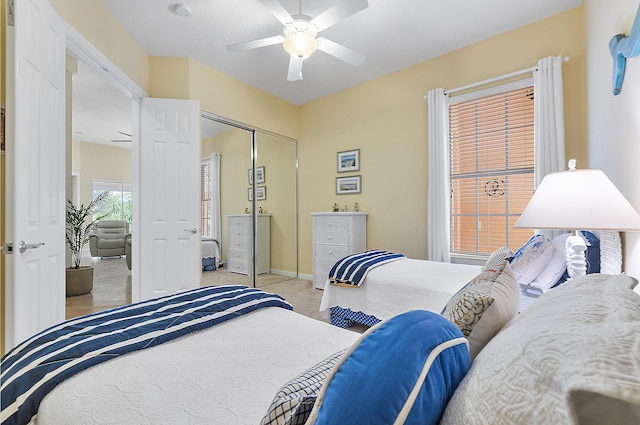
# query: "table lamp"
{"type": "Point", "coordinates": [578, 200]}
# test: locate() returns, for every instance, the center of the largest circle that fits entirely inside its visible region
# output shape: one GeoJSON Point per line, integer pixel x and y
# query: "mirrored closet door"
{"type": "Point", "coordinates": [254, 224]}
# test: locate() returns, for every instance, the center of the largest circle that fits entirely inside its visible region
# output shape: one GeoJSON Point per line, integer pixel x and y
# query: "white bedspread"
{"type": "Point", "coordinates": [210, 248]}
{"type": "Point", "coordinates": [403, 285]}
{"type": "Point", "coordinates": [227, 374]}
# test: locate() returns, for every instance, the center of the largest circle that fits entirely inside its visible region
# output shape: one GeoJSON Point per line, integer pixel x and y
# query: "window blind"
{"type": "Point", "coordinates": [205, 196]}
{"type": "Point", "coordinates": [492, 163]}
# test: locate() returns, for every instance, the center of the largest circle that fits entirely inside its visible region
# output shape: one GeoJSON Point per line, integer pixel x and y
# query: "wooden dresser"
{"type": "Point", "coordinates": [240, 243]}
{"type": "Point", "coordinates": [336, 235]}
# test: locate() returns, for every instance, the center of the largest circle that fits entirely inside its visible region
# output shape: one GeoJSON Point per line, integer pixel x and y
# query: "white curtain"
{"type": "Point", "coordinates": [216, 225]}
{"type": "Point", "coordinates": [438, 192]}
{"type": "Point", "coordinates": [549, 122]}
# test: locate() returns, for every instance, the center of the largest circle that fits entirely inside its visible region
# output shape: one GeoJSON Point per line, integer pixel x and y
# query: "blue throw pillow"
{"type": "Point", "coordinates": [592, 255]}
{"type": "Point", "coordinates": [407, 368]}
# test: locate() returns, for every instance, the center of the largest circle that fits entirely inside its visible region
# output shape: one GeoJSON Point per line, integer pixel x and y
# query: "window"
{"type": "Point", "coordinates": [118, 205]}
{"type": "Point", "coordinates": [491, 147]}
{"type": "Point", "coordinates": [205, 196]}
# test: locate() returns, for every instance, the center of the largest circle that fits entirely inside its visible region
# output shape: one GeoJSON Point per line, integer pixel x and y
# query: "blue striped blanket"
{"type": "Point", "coordinates": [352, 270]}
{"type": "Point", "coordinates": [37, 365]}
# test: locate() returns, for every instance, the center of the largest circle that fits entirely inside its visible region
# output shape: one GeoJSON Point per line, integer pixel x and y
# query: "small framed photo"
{"type": "Point", "coordinates": [261, 193]}
{"type": "Point", "coordinates": [348, 185]}
{"type": "Point", "coordinates": [349, 161]}
{"type": "Point", "coordinates": [259, 175]}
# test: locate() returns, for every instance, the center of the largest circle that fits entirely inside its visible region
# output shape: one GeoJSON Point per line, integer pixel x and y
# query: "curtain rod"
{"type": "Point", "coordinates": [492, 80]}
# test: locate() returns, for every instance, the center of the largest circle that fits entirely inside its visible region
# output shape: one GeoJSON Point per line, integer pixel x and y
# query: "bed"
{"type": "Point", "coordinates": [226, 374]}
{"type": "Point", "coordinates": [551, 364]}
{"type": "Point", "coordinates": [393, 288]}
{"type": "Point", "coordinates": [210, 253]}
{"type": "Point", "coordinates": [405, 284]}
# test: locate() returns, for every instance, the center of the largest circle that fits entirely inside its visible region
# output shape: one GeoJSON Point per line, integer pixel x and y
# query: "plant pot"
{"type": "Point", "coordinates": [79, 281]}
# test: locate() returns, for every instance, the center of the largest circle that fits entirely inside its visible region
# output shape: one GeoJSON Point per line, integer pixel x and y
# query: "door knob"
{"type": "Point", "coordinates": [24, 246]}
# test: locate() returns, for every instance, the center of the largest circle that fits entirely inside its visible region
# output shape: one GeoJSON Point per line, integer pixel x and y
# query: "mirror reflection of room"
{"type": "Point", "coordinates": [266, 195]}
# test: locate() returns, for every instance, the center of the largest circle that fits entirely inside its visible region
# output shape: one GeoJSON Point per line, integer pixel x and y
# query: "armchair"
{"type": "Point", "coordinates": [108, 238]}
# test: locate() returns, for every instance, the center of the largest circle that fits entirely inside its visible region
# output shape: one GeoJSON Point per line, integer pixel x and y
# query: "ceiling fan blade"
{"type": "Point", "coordinates": [295, 69]}
{"type": "Point", "coordinates": [340, 51]}
{"type": "Point", "coordinates": [254, 44]}
{"type": "Point", "coordinates": [278, 11]}
{"type": "Point", "coordinates": [337, 13]}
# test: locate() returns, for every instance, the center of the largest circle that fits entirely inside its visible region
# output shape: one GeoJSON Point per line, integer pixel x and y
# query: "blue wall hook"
{"type": "Point", "coordinates": [622, 48]}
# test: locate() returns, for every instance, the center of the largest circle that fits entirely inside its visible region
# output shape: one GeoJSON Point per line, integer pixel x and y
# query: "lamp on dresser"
{"type": "Point", "coordinates": [578, 200]}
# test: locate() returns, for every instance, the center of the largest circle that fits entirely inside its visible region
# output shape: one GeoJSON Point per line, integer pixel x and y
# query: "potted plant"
{"type": "Point", "coordinates": [79, 223]}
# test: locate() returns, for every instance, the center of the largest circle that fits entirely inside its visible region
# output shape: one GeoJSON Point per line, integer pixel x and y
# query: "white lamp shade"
{"type": "Point", "coordinates": [578, 199]}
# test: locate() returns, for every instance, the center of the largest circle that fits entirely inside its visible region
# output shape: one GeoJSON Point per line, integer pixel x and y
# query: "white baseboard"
{"type": "Point", "coordinates": [305, 276]}
{"type": "Point", "coordinates": [283, 273]}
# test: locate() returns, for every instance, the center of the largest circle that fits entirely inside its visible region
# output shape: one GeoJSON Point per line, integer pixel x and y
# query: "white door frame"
{"type": "Point", "coordinates": [79, 47]}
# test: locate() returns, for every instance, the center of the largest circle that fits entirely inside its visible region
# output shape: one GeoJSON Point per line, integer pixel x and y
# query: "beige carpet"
{"type": "Point", "coordinates": [112, 288]}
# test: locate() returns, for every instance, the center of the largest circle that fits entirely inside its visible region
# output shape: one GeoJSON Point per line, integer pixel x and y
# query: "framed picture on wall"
{"type": "Point", "coordinates": [349, 161]}
{"type": "Point", "coordinates": [261, 193]}
{"type": "Point", "coordinates": [348, 185]}
{"type": "Point", "coordinates": [259, 175]}
{"type": "Point", "coordinates": [2, 141]}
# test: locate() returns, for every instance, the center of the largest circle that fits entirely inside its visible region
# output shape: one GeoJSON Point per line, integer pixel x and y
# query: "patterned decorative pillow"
{"type": "Point", "coordinates": [531, 259]}
{"type": "Point", "coordinates": [484, 305]}
{"type": "Point", "coordinates": [498, 256]}
{"type": "Point", "coordinates": [294, 401]}
{"type": "Point", "coordinates": [571, 355]}
{"type": "Point", "coordinates": [403, 370]}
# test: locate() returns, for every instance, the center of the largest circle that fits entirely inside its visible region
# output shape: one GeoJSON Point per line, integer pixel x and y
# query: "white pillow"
{"type": "Point", "coordinates": [555, 269]}
{"type": "Point", "coordinates": [581, 336]}
{"type": "Point", "coordinates": [531, 259]}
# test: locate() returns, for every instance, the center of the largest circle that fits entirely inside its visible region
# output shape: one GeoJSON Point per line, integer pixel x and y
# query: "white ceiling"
{"type": "Point", "coordinates": [392, 34]}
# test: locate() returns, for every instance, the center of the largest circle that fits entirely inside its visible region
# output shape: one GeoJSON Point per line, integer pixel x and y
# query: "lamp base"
{"type": "Point", "coordinates": [575, 248]}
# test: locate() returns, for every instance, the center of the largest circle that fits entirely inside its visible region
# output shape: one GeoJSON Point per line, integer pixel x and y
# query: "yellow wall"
{"type": "Point", "coordinates": [220, 94]}
{"type": "Point", "coordinates": [99, 162]}
{"type": "Point", "coordinates": [94, 21]}
{"type": "Point", "coordinates": [387, 120]}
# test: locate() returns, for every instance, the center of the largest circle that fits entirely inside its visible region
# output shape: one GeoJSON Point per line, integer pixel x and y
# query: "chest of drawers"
{"type": "Point", "coordinates": [241, 240]}
{"type": "Point", "coordinates": [336, 235]}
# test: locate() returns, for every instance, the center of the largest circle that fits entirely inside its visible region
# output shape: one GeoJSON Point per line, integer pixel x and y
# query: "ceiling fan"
{"type": "Point", "coordinates": [122, 140]}
{"type": "Point", "coordinates": [300, 32]}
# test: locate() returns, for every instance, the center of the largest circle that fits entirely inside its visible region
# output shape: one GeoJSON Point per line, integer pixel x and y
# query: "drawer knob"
{"type": "Point", "coordinates": [330, 224]}
{"type": "Point", "coordinates": [330, 237]}
{"type": "Point", "coordinates": [330, 252]}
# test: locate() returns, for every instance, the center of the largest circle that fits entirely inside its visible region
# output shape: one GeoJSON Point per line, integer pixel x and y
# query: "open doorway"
{"type": "Point", "coordinates": [101, 160]}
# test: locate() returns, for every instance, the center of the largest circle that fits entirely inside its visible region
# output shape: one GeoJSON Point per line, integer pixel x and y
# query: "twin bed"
{"type": "Point", "coordinates": [393, 288]}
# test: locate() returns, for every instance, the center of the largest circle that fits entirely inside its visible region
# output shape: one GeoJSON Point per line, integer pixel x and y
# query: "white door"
{"type": "Point", "coordinates": [169, 197]}
{"type": "Point", "coordinates": [35, 278]}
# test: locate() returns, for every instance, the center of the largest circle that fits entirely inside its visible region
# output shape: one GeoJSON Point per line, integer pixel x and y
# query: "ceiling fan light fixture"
{"type": "Point", "coordinates": [300, 39]}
